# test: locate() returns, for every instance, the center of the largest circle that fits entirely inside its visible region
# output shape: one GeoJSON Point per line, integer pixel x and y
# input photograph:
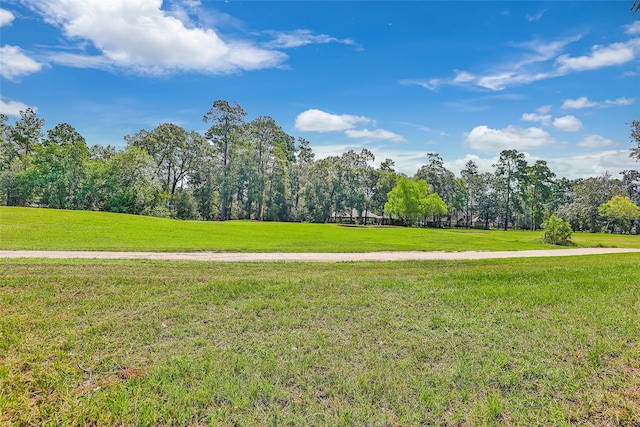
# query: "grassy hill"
{"type": "Point", "coordinates": [50, 229]}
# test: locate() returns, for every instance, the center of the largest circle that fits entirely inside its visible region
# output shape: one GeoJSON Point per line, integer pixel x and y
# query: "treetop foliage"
{"type": "Point", "coordinates": [242, 169]}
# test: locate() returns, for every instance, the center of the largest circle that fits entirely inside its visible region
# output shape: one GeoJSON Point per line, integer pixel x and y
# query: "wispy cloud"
{"type": "Point", "coordinates": [287, 40]}
{"type": "Point", "coordinates": [601, 56]}
{"type": "Point", "coordinates": [539, 61]}
{"type": "Point", "coordinates": [594, 141]}
{"type": "Point", "coordinates": [584, 102]}
{"type": "Point", "coordinates": [376, 134]}
{"type": "Point", "coordinates": [14, 63]}
{"type": "Point", "coordinates": [536, 16]}
{"type": "Point", "coordinates": [544, 119]}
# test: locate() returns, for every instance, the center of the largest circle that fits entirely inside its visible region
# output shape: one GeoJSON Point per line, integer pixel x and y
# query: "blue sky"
{"type": "Point", "coordinates": [558, 80]}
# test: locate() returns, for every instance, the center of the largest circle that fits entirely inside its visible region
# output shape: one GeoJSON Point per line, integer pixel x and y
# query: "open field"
{"type": "Point", "coordinates": [49, 229]}
{"type": "Point", "coordinates": [544, 341]}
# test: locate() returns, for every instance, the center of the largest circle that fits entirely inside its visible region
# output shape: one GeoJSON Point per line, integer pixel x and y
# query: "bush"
{"type": "Point", "coordinates": [557, 231]}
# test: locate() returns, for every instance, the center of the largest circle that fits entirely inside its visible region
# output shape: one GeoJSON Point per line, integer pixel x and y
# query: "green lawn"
{"type": "Point", "coordinates": [498, 342]}
{"type": "Point", "coordinates": [32, 228]}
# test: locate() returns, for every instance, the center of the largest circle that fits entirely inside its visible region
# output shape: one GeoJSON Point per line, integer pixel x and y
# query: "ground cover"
{"type": "Point", "coordinates": [542, 341]}
{"type": "Point", "coordinates": [50, 229]}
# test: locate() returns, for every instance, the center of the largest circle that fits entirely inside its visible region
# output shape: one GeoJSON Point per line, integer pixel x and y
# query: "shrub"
{"type": "Point", "coordinates": [557, 231]}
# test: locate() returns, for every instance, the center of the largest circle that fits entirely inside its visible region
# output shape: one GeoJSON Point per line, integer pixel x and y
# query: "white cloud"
{"type": "Point", "coordinates": [320, 121]}
{"type": "Point", "coordinates": [139, 36]}
{"type": "Point", "coordinates": [483, 138]}
{"type": "Point", "coordinates": [377, 134]}
{"type": "Point", "coordinates": [567, 123]}
{"type": "Point", "coordinates": [13, 108]}
{"type": "Point", "coordinates": [299, 38]}
{"type": "Point", "coordinates": [619, 101]}
{"type": "Point", "coordinates": [536, 17]}
{"type": "Point", "coordinates": [632, 29]}
{"type": "Point", "coordinates": [544, 119]}
{"type": "Point", "coordinates": [535, 64]}
{"type": "Point", "coordinates": [484, 164]}
{"type": "Point", "coordinates": [522, 71]}
{"type": "Point", "coordinates": [6, 17]}
{"type": "Point", "coordinates": [601, 56]}
{"type": "Point", "coordinates": [594, 141]}
{"type": "Point", "coordinates": [592, 164]}
{"type": "Point", "coordinates": [544, 109]}
{"type": "Point", "coordinates": [577, 104]}
{"type": "Point", "coordinates": [14, 63]}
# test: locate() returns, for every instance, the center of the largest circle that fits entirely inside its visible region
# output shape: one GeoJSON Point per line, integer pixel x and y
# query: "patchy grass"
{"type": "Point", "coordinates": [497, 342]}
{"type": "Point", "coordinates": [49, 229]}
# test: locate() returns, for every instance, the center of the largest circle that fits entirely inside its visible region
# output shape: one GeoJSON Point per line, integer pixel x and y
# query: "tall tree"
{"type": "Point", "coordinates": [511, 171]}
{"type": "Point", "coordinates": [631, 180]}
{"type": "Point", "coordinates": [487, 202]}
{"type": "Point", "coordinates": [635, 136]}
{"type": "Point", "coordinates": [275, 151]}
{"type": "Point", "coordinates": [226, 122]}
{"type": "Point", "coordinates": [439, 177]}
{"type": "Point", "coordinates": [59, 168]}
{"type": "Point", "coordinates": [471, 189]}
{"type": "Point", "coordinates": [175, 151]}
{"type": "Point", "coordinates": [27, 131]}
{"type": "Point", "coordinates": [386, 178]}
{"type": "Point", "coordinates": [300, 175]}
{"type": "Point", "coordinates": [540, 179]}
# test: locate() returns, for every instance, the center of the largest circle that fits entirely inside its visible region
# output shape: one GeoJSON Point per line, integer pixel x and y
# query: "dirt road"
{"type": "Point", "coordinates": [311, 257]}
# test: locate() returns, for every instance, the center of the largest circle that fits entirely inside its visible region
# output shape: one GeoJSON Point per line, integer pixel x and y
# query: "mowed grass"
{"type": "Point", "coordinates": [49, 229]}
{"type": "Point", "coordinates": [519, 342]}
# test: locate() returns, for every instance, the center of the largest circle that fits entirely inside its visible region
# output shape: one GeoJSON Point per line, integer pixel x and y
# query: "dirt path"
{"type": "Point", "coordinates": [311, 257]}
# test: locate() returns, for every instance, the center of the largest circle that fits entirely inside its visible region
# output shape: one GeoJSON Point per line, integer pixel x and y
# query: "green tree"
{"type": "Point", "coordinates": [59, 169]}
{"type": "Point", "coordinates": [408, 200]}
{"type": "Point", "coordinates": [540, 180]}
{"type": "Point", "coordinates": [511, 172]}
{"type": "Point", "coordinates": [26, 133]}
{"type": "Point", "coordinates": [631, 180]}
{"type": "Point", "coordinates": [471, 187]}
{"type": "Point", "coordinates": [440, 178]}
{"type": "Point", "coordinates": [299, 176]}
{"type": "Point", "coordinates": [386, 178]}
{"type": "Point", "coordinates": [557, 231]}
{"type": "Point", "coordinates": [587, 195]}
{"type": "Point", "coordinates": [434, 206]}
{"type": "Point", "coordinates": [174, 150]}
{"type": "Point", "coordinates": [320, 192]}
{"type": "Point", "coordinates": [275, 151]}
{"type": "Point", "coordinates": [488, 201]}
{"type": "Point", "coordinates": [128, 184]}
{"type": "Point", "coordinates": [620, 212]}
{"type": "Point", "coordinates": [227, 121]}
{"type": "Point", "coordinates": [635, 134]}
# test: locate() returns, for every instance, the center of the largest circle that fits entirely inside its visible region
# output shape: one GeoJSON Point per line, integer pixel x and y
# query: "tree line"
{"type": "Point", "coordinates": [241, 169]}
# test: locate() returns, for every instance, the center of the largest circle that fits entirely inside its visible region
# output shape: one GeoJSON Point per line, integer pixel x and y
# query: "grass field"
{"type": "Point", "coordinates": [49, 229]}
{"type": "Point", "coordinates": [512, 342]}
